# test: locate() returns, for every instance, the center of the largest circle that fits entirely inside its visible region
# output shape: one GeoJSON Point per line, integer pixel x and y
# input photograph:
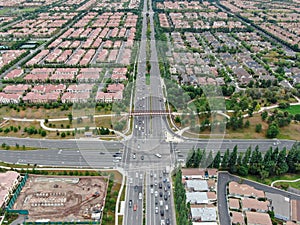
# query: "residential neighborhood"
{"type": "Point", "coordinates": [150, 112]}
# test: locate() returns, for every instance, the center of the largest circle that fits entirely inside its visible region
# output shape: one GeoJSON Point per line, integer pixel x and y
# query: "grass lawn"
{"type": "Point", "coordinates": [294, 109]}
{"type": "Point", "coordinates": [269, 180]}
{"type": "Point", "coordinates": [147, 79]}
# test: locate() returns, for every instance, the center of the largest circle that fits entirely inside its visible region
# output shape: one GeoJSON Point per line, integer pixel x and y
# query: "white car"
{"type": "Point", "coordinates": [156, 193]}
{"type": "Point", "coordinates": [151, 190]}
{"type": "Point", "coordinates": [156, 210]}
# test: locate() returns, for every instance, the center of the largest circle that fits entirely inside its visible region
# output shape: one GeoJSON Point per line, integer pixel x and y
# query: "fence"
{"type": "Point", "coordinates": [16, 195]}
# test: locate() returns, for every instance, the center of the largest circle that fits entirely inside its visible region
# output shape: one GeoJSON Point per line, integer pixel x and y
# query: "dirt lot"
{"type": "Point", "coordinates": [62, 198]}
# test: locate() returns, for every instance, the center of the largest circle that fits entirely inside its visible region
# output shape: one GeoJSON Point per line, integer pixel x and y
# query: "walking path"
{"type": "Point", "coordinates": [286, 181]}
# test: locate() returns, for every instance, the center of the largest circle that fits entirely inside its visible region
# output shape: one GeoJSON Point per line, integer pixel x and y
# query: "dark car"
{"type": "Point", "coordinates": [142, 157]}
{"type": "Point", "coordinates": [130, 203]}
{"type": "Point", "coordinates": [160, 185]}
{"type": "Point", "coordinates": [162, 213]}
{"type": "Point", "coordinates": [160, 194]}
{"type": "Point", "coordinates": [167, 221]}
{"type": "Point", "coordinates": [166, 197]}
{"type": "Point", "coordinates": [136, 188]}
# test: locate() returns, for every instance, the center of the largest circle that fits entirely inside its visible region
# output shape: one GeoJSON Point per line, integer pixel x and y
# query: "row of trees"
{"type": "Point", "coordinates": [254, 162]}
{"type": "Point", "coordinates": [182, 209]}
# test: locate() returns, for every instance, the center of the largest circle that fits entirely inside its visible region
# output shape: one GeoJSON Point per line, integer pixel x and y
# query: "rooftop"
{"type": "Point", "coordinates": [204, 214]}
{"type": "Point", "coordinates": [197, 185]}
{"type": "Point", "coordinates": [255, 218]}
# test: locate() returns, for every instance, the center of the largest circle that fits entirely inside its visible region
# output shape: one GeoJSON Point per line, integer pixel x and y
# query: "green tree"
{"type": "Point", "coordinates": [247, 156]}
{"type": "Point", "coordinates": [217, 160]}
{"type": "Point", "coordinates": [232, 160]}
{"type": "Point", "coordinates": [63, 135]}
{"type": "Point", "coordinates": [225, 159]}
{"type": "Point", "coordinates": [264, 115]}
{"type": "Point", "coordinates": [258, 128]}
{"type": "Point", "coordinates": [281, 165]}
{"type": "Point", "coordinates": [273, 130]}
{"type": "Point", "coordinates": [43, 133]}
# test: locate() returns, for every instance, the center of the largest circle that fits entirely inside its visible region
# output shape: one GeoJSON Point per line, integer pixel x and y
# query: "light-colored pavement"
{"type": "Point", "coordinates": [285, 181]}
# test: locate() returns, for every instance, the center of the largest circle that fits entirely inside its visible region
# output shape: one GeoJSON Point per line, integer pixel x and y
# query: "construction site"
{"type": "Point", "coordinates": [63, 198]}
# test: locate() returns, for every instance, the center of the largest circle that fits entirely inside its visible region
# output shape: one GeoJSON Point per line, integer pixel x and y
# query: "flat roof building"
{"type": "Point", "coordinates": [196, 198]}
{"type": "Point", "coordinates": [204, 214]}
{"type": "Point", "coordinates": [280, 205]}
{"type": "Point", "coordinates": [196, 185]}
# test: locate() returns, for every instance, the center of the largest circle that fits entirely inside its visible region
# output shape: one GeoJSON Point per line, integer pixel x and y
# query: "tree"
{"type": "Point", "coordinates": [190, 159]}
{"type": "Point", "coordinates": [247, 155]}
{"type": "Point", "coordinates": [63, 134]}
{"type": "Point", "coordinates": [264, 115]}
{"type": "Point", "coordinates": [217, 160]}
{"type": "Point", "coordinates": [243, 170]}
{"type": "Point", "coordinates": [293, 158]}
{"type": "Point", "coordinates": [281, 165]}
{"type": "Point", "coordinates": [247, 124]}
{"type": "Point", "coordinates": [209, 160]}
{"type": "Point", "coordinates": [70, 117]}
{"type": "Point", "coordinates": [255, 161]}
{"type": "Point", "coordinates": [258, 128]}
{"type": "Point", "coordinates": [232, 160]}
{"type": "Point", "coordinates": [273, 131]}
{"type": "Point", "coordinates": [224, 163]}
{"type": "Point", "coordinates": [43, 133]}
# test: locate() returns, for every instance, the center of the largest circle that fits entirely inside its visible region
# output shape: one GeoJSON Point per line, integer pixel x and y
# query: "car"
{"type": "Point", "coordinates": [156, 202]}
{"type": "Point", "coordinates": [140, 196]}
{"type": "Point", "coordinates": [169, 193]}
{"type": "Point", "coordinates": [134, 156]}
{"type": "Point", "coordinates": [141, 176]}
{"type": "Point", "coordinates": [165, 180]}
{"type": "Point", "coordinates": [156, 210]}
{"type": "Point", "coordinates": [151, 190]}
{"type": "Point", "coordinates": [102, 153]}
{"type": "Point", "coordinates": [130, 180]}
{"type": "Point", "coordinates": [155, 193]}
{"type": "Point", "coordinates": [167, 207]}
{"type": "Point", "coordinates": [166, 197]}
{"type": "Point", "coordinates": [161, 203]}
{"type": "Point", "coordinates": [169, 186]}
{"type": "Point", "coordinates": [165, 188]}
{"type": "Point", "coordinates": [151, 174]}
{"type": "Point", "coordinates": [142, 157]}
{"type": "Point", "coordinates": [160, 175]}
{"type": "Point", "coordinates": [160, 194]}
{"type": "Point", "coordinates": [160, 185]}
{"type": "Point", "coordinates": [167, 221]}
{"type": "Point", "coordinates": [130, 203]}
{"type": "Point", "coordinates": [134, 207]}
{"type": "Point", "coordinates": [136, 188]}
{"type": "Point", "coordinates": [162, 222]}
{"type": "Point", "coordinates": [162, 213]}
